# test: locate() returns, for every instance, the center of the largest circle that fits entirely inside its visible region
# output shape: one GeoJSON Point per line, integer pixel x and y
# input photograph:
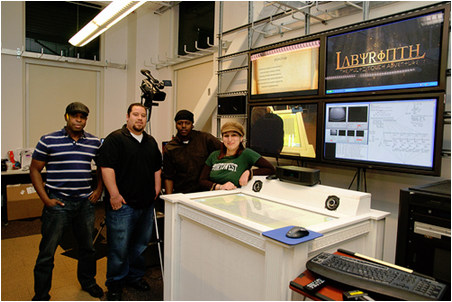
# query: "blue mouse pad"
{"type": "Point", "coordinates": [280, 235]}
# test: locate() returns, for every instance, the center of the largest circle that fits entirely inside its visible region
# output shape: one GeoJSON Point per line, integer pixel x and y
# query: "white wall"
{"type": "Point", "coordinates": [145, 35]}
{"type": "Point", "coordinates": [13, 111]}
{"type": "Point", "coordinates": [133, 41]}
{"type": "Point", "coordinates": [152, 35]}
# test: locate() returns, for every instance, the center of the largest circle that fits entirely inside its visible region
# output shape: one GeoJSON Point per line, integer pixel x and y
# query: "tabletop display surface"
{"type": "Point", "coordinates": [263, 211]}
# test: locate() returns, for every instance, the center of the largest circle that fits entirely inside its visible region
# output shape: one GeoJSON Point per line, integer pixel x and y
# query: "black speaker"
{"type": "Point", "coordinates": [299, 175]}
{"type": "Point", "coordinates": [231, 105]}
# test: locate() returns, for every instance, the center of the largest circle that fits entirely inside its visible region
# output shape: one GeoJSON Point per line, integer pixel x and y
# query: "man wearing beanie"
{"type": "Point", "coordinates": [184, 156]}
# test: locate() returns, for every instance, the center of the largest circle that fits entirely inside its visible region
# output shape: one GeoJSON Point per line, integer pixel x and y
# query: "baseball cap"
{"type": "Point", "coordinates": [77, 107]}
{"type": "Point", "coordinates": [232, 126]}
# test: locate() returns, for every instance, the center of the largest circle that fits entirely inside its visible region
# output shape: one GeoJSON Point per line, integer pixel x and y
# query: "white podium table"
{"type": "Point", "coordinates": [217, 248]}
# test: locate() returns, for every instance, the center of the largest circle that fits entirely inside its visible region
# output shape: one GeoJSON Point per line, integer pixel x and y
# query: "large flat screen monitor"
{"type": "Point", "coordinates": [285, 71]}
{"type": "Point", "coordinates": [284, 130]}
{"type": "Point", "coordinates": [407, 54]}
{"type": "Point", "coordinates": [399, 134]}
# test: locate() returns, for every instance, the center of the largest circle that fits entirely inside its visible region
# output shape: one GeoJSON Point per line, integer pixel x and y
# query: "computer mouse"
{"type": "Point", "coordinates": [297, 232]}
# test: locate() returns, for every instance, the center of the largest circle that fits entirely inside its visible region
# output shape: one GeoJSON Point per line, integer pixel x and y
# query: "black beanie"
{"type": "Point", "coordinates": [184, 115]}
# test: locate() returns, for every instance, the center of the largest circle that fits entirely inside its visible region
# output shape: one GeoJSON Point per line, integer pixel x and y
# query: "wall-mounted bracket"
{"type": "Point", "coordinates": [20, 53]}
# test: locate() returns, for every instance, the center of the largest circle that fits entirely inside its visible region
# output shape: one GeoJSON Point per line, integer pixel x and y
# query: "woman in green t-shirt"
{"type": "Point", "coordinates": [230, 167]}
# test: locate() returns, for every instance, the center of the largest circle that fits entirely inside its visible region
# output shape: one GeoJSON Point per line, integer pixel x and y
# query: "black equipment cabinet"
{"type": "Point", "coordinates": [423, 232]}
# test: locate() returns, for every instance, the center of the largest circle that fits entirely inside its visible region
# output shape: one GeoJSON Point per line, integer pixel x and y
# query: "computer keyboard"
{"type": "Point", "coordinates": [377, 278]}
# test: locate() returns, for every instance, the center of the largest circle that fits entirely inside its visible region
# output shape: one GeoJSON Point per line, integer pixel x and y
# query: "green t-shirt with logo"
{"type": "Point", "coordinates": [230, 168]}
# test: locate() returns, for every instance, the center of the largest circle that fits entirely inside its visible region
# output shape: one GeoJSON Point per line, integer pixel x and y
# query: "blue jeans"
{"type": "Point", "coordinates": [55, 221]}
{"type": "Point", "coordinates": [129, 232]}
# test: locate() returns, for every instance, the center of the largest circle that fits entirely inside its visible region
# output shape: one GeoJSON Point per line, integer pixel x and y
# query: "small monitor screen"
{"type": "Point", "coordinates": [285, 71]}
{"type": "Point", "coordinates": [404, 54]}
{"type": "Point", "coordinates": [399, 133]}
{"type": "Point", "coordinates": [284, 130]}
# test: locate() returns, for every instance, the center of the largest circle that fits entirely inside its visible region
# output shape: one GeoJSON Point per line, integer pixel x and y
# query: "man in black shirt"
{"type": "Point", "coordinates": [131, 169]}
{"type": "Point", "coordinates": [185, 155]}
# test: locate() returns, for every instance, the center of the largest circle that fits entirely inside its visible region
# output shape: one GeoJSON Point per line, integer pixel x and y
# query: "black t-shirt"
{"type": "Point", "coordinates": [134, 163]}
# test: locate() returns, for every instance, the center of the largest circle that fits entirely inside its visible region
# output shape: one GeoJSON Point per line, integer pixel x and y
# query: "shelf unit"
{"type": "Point", "coordinates": [237, 63]}
{"type": "Point", "coordinates": [285, 13]}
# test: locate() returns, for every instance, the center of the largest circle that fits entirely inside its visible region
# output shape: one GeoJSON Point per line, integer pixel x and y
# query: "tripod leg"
{"type": "Point", "coordinates": [102, 225]}
{"type": "Point", "coordinates": [158, 241]}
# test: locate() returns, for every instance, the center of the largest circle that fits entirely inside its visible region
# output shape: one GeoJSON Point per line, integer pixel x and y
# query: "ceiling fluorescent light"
{"type": "Point", "coordinates": [109, 16]}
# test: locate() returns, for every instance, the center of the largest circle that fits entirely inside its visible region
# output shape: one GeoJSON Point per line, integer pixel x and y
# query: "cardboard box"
{"type": "Point", "coordinates": [23, 202]}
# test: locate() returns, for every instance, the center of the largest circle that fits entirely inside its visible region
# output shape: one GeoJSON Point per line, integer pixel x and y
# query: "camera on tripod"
{"type": "Point", "coordinates": [151, 90]}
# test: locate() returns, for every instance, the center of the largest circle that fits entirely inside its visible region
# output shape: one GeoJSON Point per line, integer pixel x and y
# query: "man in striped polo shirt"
{"type": "Point", "coordinates": [68, 198]}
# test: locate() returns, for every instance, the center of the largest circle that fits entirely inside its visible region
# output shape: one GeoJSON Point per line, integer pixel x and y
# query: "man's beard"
{"type": "Point", "coordinates": [138, 129]}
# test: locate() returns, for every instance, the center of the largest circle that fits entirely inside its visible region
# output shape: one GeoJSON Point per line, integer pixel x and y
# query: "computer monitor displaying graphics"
{"type": "Point", "coordinates": [296, 141]}
{"type": "Point", "coordinates": [284, 130]}
{"type": "Point", "coordinates": [402, 134]}
{"type": "Point", "coordinates": [398, 54]}
{"type": "Point", "coordinates": [284, 71]}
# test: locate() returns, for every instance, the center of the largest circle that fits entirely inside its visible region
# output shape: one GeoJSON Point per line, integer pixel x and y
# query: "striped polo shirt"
{"type": "Point", "coordinates": [68, 163]}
